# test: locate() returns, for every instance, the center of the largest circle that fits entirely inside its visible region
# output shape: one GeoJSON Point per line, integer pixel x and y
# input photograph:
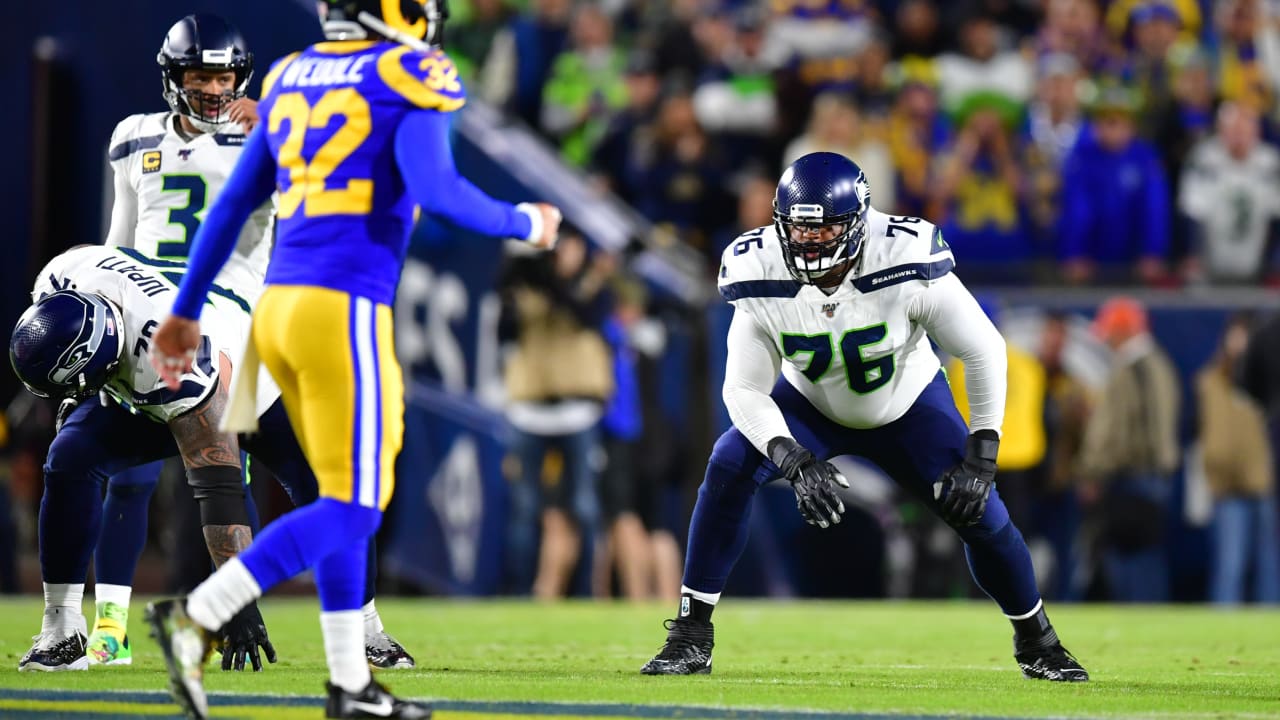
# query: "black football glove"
{"type": "Point", "coordinates": [964, 489]}
{"type": "Point", "coordinates": [241, 637]}
{"type": "Point", "coordinates": [813, 480]}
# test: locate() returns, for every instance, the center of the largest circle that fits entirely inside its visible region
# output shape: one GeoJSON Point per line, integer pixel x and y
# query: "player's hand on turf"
{"type": "Point", "coordinates": [963, 490]}
{"type": "Point", "coordinates": [245, 112]}
{"type": "Point", "coordinates": [242, 636]}
{"type": "Point", "coordinates": [813, 480]}
{"type": "Point", "coordinates": [173, 348]}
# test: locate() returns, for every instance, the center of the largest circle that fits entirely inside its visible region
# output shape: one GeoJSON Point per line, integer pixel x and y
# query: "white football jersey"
{"type": "Point", "coordinates": [857, 355]}
{"type": "Point", "coordinates": [165, 183]}
{"type": "Point", "coordinates": [1235, 202]}
{"type": "Point", "coordinates": [142, 289]}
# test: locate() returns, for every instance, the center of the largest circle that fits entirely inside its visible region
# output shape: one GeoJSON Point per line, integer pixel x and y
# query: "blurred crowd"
{"type": "Point", "coordinates": [1080, 141]}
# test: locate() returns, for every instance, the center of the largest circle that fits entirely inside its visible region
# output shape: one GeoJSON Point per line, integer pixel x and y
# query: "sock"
{"type": "Point", "coordinates": [218, 599]}
{"type": "Point", "coordinates": [70, 515]}
{"type": "Point", "coordinates": [114, 619]}
{"type": "Point", "coordinates": [1034, 627]}
{"type": "Point", "coordinates": [62, 608]}
{"type": "Point", "coordinates": [124, 524]}
{"type": "Point", "coordinates": [719, 527]}
{"type": "Point", "coordinates": [697, 605]}
{"type": "Point", "coordinates": [344, 649]}
{"type": "Point", "coordinates": [372, 623]}
{"type": "Point", "coordinates": [1001, 565]}
{"type": "Point", "coordinates": [305, 536]}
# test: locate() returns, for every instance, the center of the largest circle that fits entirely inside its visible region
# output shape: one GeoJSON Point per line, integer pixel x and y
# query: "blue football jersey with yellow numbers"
{"type": "Point", "coordinates": [331, 113]}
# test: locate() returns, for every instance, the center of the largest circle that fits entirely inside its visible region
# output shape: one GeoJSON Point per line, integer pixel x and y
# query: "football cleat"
{"type": "Point", "coordinates": [384, 653]}
{"type": "Point", "coordinates": [109, 643]}
{"type": "Point", "coordinates": [1048, 660]}
{"type": "Point", "coordinates": [186, 646]}
{"type": "Point", "coordinates": [53, 650]}
{"type": "Point", "coordinates": [687, 650]}
{"type": "Point", "coordinates": [375, 701]}
{"type": "Point", "coordinates": [104, 648]}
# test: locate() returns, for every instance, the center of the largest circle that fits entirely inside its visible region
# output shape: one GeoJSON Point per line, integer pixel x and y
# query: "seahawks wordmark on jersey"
{"type": "Point", "coordinates": [142, 289]}
{"type": "Point", "coordinates": [859, 355]}
{"type": "Point", "coordinates": [164, 184]}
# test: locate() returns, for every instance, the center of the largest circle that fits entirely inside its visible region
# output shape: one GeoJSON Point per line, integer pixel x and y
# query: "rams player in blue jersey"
{"type": "Point", "coordinates": [354, 136]}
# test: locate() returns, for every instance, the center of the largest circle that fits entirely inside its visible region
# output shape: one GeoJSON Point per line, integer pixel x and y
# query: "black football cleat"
{"type": "Point", "coordinates": [187, 647]}
{"type": "Point", "coordinates": [374, 701]}
{"type": "Point", "coordinates": [384, 653]}
{"type": "Point", "coordinates": [687, 650]}
{"type": "Point", "coordinates": [54, 651]}
{"type": "Point", "coordinates": [1048, 660]}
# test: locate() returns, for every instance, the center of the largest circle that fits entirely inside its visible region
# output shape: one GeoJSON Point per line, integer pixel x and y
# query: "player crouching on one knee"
{"type": "Point", "coordinates": [843, 300]}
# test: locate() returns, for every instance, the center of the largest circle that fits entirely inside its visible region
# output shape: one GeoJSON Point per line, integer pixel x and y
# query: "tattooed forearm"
{"type": "Point", "coordinates": [226, 541]}
{"type": "Point", "coordinates": [196, 432]}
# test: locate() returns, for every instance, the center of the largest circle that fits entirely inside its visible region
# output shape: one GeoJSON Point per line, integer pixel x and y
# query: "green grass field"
{"type": "Point", "coordinates": [772, 659]}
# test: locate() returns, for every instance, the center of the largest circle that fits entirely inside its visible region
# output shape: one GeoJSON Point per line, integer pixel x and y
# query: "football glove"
{"type": "Point", "coordinates": [812, 480]}
{"type": "Point", "coordinates": [241, 637]}
{"type": "Point", "coordinates": [964, 489]}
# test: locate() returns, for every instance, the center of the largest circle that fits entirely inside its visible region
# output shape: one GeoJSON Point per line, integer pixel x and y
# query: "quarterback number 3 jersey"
{"type": "Point", "coordinates": [163, 185]}
{"type": "Point", "coordinates": [860, 355]}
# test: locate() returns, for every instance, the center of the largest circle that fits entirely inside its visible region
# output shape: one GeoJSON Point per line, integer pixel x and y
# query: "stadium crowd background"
{"type": "Point", "coordinates": [1099, 147]}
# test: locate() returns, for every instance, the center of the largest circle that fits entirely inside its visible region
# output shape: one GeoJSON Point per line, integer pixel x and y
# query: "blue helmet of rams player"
{"type": "Point", "coordinates": [210, 44]}
{"type": "Point", "coordinates": [820, 212]}
{"type": "Point", "coordinates": [417, 23]}
{"type": "Point", "coordinates": [67, 345]}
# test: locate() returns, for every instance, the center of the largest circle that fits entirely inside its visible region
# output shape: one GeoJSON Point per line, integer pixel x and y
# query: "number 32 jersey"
{"type": "Point", "coordinates": [861, 355]}
{"type": "Point", "coordinates": [164, 184]}
{"type": "Point", "coordinates": [331, 113]}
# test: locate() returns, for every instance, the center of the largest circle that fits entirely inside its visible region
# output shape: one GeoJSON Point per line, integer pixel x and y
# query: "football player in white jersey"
{"type": "Point", "coordinates": [844, 300]}
{"type": "Point", "coordinates": [169, 166]}
{"type": "Point", "coordinates": [88, 332]}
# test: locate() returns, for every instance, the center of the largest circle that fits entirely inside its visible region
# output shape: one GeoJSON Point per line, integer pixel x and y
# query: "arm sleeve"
{"type": "Point", "coordinates": [953, 318]}
{"type": "Point", "coordinates": [749, 374]}
{"type": "Point", "coordinates": [124, 210]}
{"type": "Point", "coordinates": [426, 162]}
{"type": "Point", "coordinates": [251, 183]}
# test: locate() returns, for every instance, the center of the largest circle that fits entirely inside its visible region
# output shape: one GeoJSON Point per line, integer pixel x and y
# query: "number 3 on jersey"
{"type": "Point", "coordinates": [307, 180]}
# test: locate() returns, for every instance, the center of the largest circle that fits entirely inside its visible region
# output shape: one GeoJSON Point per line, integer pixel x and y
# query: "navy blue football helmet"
{"type": "Point", "coordinates": [417, 23]}
{"type": "Point", "coordinates": [208, 43]}
{"type": "Point", "coordinates": [820, 213]}
{"type": "Point", "coordinates": [67, 345]}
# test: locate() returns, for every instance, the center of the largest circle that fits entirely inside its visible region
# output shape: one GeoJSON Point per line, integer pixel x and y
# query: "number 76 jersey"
{"type": "Point", "coordinates": [332, 114]}
{"type": "Point", "coordinates": [859, 355]}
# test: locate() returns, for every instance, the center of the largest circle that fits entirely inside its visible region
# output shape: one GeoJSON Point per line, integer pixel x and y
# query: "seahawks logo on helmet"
{"type": "Point", "coordinates": [67, 345]}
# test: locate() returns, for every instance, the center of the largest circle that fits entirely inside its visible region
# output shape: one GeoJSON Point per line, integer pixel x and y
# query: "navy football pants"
{"type": "Point", "coordinates": [914, 450]}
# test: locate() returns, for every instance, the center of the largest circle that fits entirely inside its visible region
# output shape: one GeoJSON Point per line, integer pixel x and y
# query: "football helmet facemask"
{"type": "Point", "coordinates": [210, 44]}
{"type": "Point", "coordinates": [417, 23]}
{"type": "Point", "coordinates": [820, 213]}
